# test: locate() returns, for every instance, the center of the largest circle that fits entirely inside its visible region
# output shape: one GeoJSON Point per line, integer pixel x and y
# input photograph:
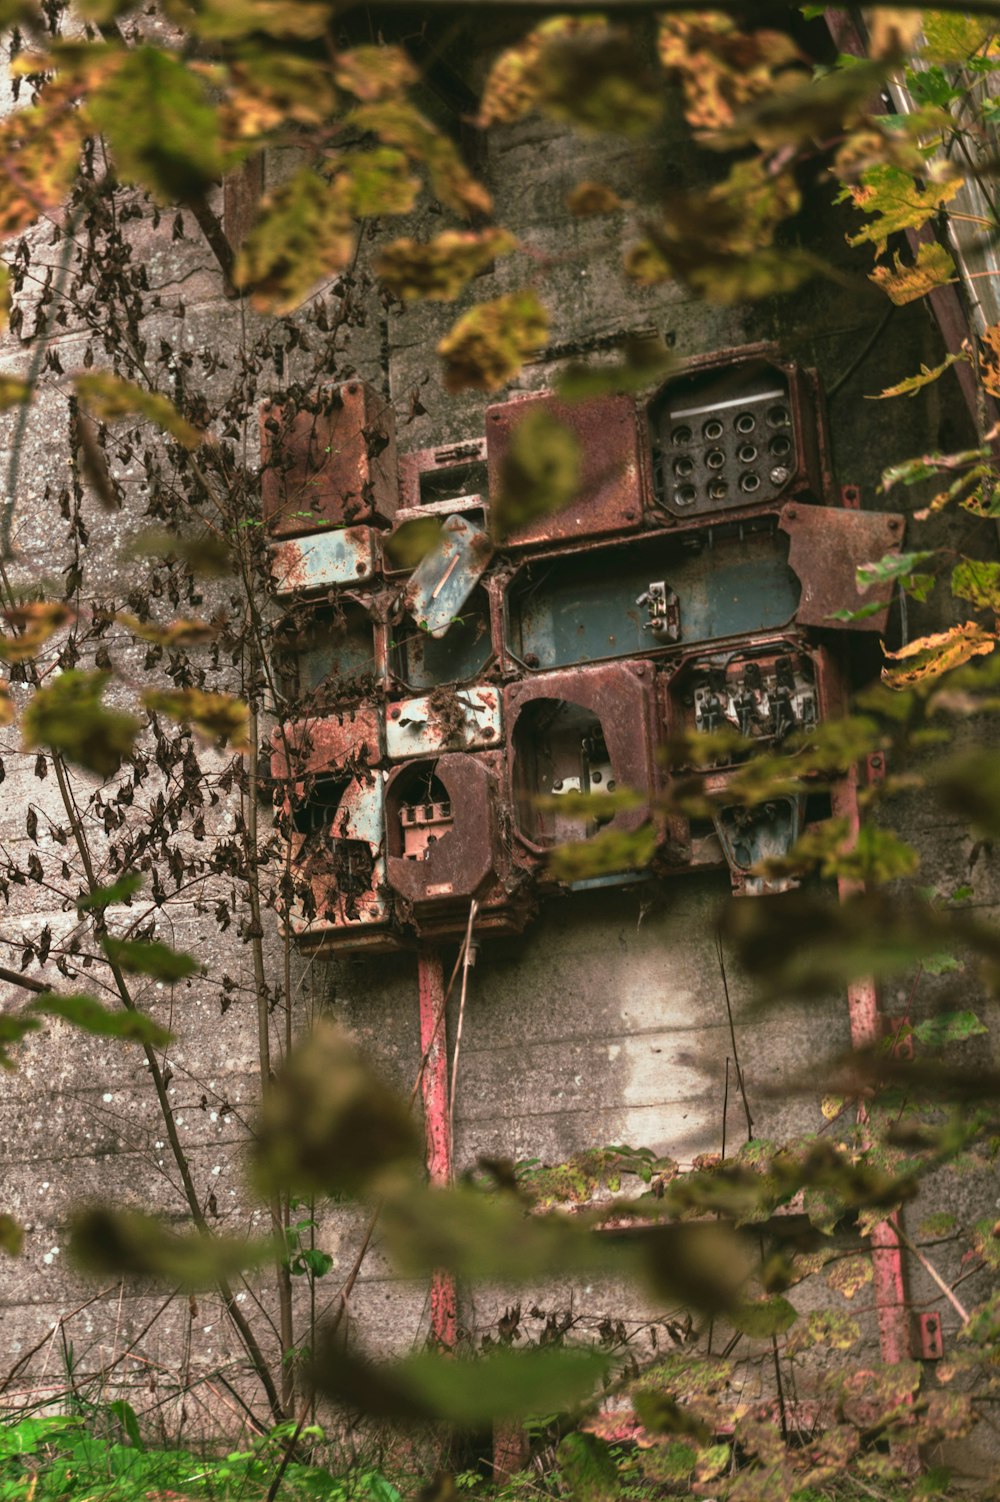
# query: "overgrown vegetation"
{"type": "Point", "coordinates": [151, 715]}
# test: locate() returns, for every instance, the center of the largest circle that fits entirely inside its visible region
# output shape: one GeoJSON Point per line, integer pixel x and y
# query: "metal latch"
{"type": "Point", "coordinates": [664, 611]}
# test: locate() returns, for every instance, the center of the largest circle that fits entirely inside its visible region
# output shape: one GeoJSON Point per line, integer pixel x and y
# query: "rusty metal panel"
{"type": "Point", "coordinates": [562, 727]}
{"type": "Point", "coordinates": [330, 461]}
{"type": "Point", "coordinates": [326, 744]}
{"type": "Point", "coordinates": [441, 834]}
{"type": "Point", "coordinates": [444, 579]}
{"type": "Point", "coordinates": [440, 476]}
{"type": "Point", "coordinates": [610, 498]}
{"type": "Point", "coordinates": [448, 719]}
{"type": "Point", "coordinates": [301, 565]}
{"type": "Point", "coordinates": [344, 863]}
{"type": "Point", "coordinates": [826, 548]}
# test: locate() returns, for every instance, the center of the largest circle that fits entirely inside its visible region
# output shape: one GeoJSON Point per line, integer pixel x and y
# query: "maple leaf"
{"type": "Point", "coordinates": [489, 344]}
{"type": "Point", "coordinates": [304, 233]}
{"type": "Point", "coordinates": [439, 269]}
{"type": "Point", "coordinates": [933, 267]}
{"type": "Point", "coordinates": [929, 656]}
{"type": "Point", "coordinates": [897, 202]}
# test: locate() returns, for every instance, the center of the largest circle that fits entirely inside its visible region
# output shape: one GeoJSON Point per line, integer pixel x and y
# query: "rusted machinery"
{"type": "Point", "coordinates": [442, 708]}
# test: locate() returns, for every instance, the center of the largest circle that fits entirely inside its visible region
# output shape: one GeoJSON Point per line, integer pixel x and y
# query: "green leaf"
{"type": "Point", "coordinates": [607, 853]}
{"type": "Point", "coordinates": [125, 1244]}
{"type": "Point", "coordinates": [215, 717]}
{"type": "Point", "coordinates": [767, 1317]}
{"type": "Point", "coordinates": [977, 581]}
{"type": "Point", "coordinates": [933, 267]}
{"type": "Point", "coordinates": [162, 129]}
{"type": "Point", "coordinates": [488, 345]}
{"type": "Point", "coordinates": [948, 1027]}
{"type": "Point", "coordinates": [141, 958]}
{"type": "Point", "coordinates": [329, 1125]}
{"type": "Point", "coordinates": [11, 1235]}
{"type": "Point", "coordinates": [126, 1416]}
{"type": "Point", "coordinates": [86, 1013]}
{"type": "Point", "coordinates": [377, 182]}
{"type": "Point", "coordinates": [897, 202]}
{"type": "Point", "coordinates": [587, 1468]}
{"type": "Point", "coordinates": [891, 566]}
{"type": "Point", "coordinates": [304, 233]}
{"type": "Point", "coordinates": [440, 269]}
{"type": "Point", "coordinates": [68, 716]}
{"type": "Point", "coordinates": [540, 472]}
{"type": "Point", "coordinates": [109, 398]}
{"type": "Point", "coordinates": [12, 1029]}
{"type": "Point", "coordinates": [102, 897]}
{"type": "Point", "coordinates": [504, 1384]}
{"type": "Point", "coordinates": [908, 472]}
{"type": "Point", "coordinates": [647, 360]}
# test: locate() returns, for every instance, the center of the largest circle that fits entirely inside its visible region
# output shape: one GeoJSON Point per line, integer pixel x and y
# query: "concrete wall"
{"type": "Point", "coordinates": [607, 1022]}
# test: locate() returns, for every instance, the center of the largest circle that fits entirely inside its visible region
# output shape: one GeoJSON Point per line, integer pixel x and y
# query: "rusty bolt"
{"type": "Point", "coordinates": [394, 713]}
{"type": "Point", "coordinates": [530, 660]}
{"type": "Point", "coordinates": [876, 762]}
{"type": "Point", "coordinates": [894, 526]}
{"type": "Point", "coordinates": [630, 516]}
{"type": "Point", "coordinates": [640, 669]}
{"type": "Point", "coordinates": [791, 512]}
{"type": "Point", "coordinates": [359, 568]}
{"type": "Point", "coordinates": [489, 733]}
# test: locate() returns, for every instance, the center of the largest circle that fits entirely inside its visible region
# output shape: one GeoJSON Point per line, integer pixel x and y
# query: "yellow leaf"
{"type": "Point", "coordinates": [933, 267]}
{"type": "Point", "coordinates": [39, 148]}
{"type": "Point", "coordinates": [371, 73]}
{"type": "Point", "coordinates": [7, 707]}
{"type": "Point", "coordinates": [912, 384]}
{"type": "Point", "coordinates": [899, 204]}
{"type": "Point", "coordinates": [108, 398]}
{"type": "Point", "coordinates": [397, 123]}
{"type": "Point", "coordinates": [179, 633]}
{"type": "Point", "coordinates": [592, 198]}
{"type": "Point", "coordinates": [32, 625]}
{"type": "Point", "coordinates": [989, 359]}
{"type": "Point", "coordinates": [439, 269]}
{"type": "Point", "coordinates": [214, 716]}
{"type": "Point", "coordinates": [13, 392]}
{"type": "Point", "coordinates": [303, 234]}
{"type": "Point", "coordinates": [930, 656]}
{"type": "Point", "coordinates": [723, 69]}
{"type": "Point", "coordinates": [489, 344]}
{"type": "Point", "coordinates": [514, 85]}
{"type": "Point", "coordinates": [892, 33]}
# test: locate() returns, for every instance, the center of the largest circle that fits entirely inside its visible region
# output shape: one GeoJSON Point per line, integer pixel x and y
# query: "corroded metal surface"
{"type": "Point", "coordinates": [331, 462]}
{"type": "Point", "coordinates": [435, 477]}
{"type": "Point", "coordinates": [461, 859]}
{"type": "Point", "coordinates": [610, 497]}
{"type": "Point", "coordinates": [327, 744]}
{"type": "Point", "coordinates": [446, 576]}
{"type": "Point", "coordinates": [826, 548]}
{"type": "Point", "coordinates": [466, 719]}
{"type": "Point", "coordinates": [304, 565]}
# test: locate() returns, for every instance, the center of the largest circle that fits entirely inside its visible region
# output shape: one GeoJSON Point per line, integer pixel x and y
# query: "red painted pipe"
{"type": "Point", "coordinates": [437, 1122]}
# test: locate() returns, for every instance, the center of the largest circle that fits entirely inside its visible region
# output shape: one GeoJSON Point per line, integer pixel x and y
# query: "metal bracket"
{"type": "Point", "coordinates": [928, 1339]}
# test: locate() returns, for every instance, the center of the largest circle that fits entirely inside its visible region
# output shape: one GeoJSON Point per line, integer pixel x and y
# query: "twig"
{"type": "Point", "coordinates": [931, 1272]}
{"type": "Point", "coordinates": [732, 1035]}
{"type": "Point", "coordinates": [466, 953]}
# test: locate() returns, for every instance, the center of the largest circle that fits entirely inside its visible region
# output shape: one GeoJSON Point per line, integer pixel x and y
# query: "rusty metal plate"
{"type": "Point", "coordinates": [435, 477]}
{"type": "Point", "coordinates": [346, 555]}
{"type": "Point", "coordinates": [327, 744]}
{"type": "Point", "coordinates": [826, 548]}
{"type": "Point", "coordinates": [329, 462]}
{"type": "Point", "coordinates": [449, 719]}
{"type": "Point", "coordinates": [346, 866]}
{"type": "Point", "coordinates": [444, 579]}
{"type": "Point", "coordinates": [462, 857]}
{"type": "Point", "coordinates": [611, 489]}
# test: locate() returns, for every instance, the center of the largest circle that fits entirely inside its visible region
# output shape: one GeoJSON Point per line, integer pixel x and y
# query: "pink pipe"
{"type": "Point", "coordinates": [437, 1127]}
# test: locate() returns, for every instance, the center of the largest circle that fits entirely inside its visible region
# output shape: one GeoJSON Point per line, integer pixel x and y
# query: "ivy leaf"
{"type": "Point", "coordinates": [897, 203]}
{"type": "Point", "coordinates": [126, 1244]}
{"type": "Point", "coordinates": [109, 398]}
{"type": "Point", "coordinates": [929, 656]}
{"type": "Point", "coordinates": [33, 625]}
{"type": "Point", "coordinates": [933, 267]}
{"type": "Point", "coordinates": [948, 1027]}
{"type": "Point", "coordinates": [139, 957]}
{"type": "Point", "coordinates": [163, 131]}
{"type": "Point", "coordinates": [304, 233]}
{"type": "Point", "coordinates": [540, 472]}
{"type": "Point", "coordinates": [440, 269]}
{"type": "Point", "coordinates": [68, 716]}
{"type": "Point", "coordinates": [909, 387]}
{"type": "Point", "coordinates": [377, 182]}
{"type": "Point", "coordinates": [215, 717]}
{"type": "Point", "coordinates": [104, 897]}
{"type": "Point", "coordinates": [489, 344]}
{"type": "Point", "coordinates": [977, 581]}
{"type": "Point", "coordinates": [86, 1013]}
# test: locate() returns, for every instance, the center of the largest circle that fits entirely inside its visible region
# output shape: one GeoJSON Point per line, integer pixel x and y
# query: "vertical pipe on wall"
{"type": "Point", "coordinates": [437, 1123]}
{"type": "Point", "coordinates": [866, 1030]}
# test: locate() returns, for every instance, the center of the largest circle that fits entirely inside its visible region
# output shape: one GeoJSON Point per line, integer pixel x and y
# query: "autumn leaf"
{"type": "Point", "coordinates": [374, 73]}
{"type": "Point", "coordinates": [171, 143]}
{"type": "Point", "coordinates": [178, 634]}
{"type": "Point", "coordinates": [304, 233]}
{"type": "Point", "coordinates": [912, 384]}
{"type": "Point", "coordinates": [40, 149]}
{"type": "Point", "coordinates": [933, 267]}
{"type": "Point", "coordinates": [989, 359]}
{"type": "Point", "coordinates": [267, 87]}
{"type": "Point", "coordinates": [109, 398]}
{"type": "Point", "coordinates": [13, 392]}
{"type": "Point", "coordinates": [589, 198]}
{"type": "Point", "coordinates": [721, 68]}
{"type": "Point", "coordinates": [8, 710]}
{"type": "Point", "coordinates": [377, 182]}
{"type": "Point", "coordinates": [68, 715]}
{"type": "Point", "coordinates": [595, 78]}
{"type": "Point", "coordinates": [397, 123]}
{"type": "Point", "coordinates": [214, 716]}
{"type": "Point", "coordinates": [893, 31]}
{"type": "Point", "coordinates": [929, 656]}
{"type": "Point", "coordinates": [897, 203]}
{"type": "Point", "coordinates": [32, 626]}
{"type": "Point", "coordinates": [514, 86]}
{"type": "Point", "coordinates": [953, 37]}
{"type": "Point", "coordinates": [540, 472]}
{"type": "Point", "coordinates": [439, 269]}
{"type": "Point", "coordinates": [229, 20]}
{"type": "Point", "coordinates": [978, 582]}
{"type": "Point", "coordinates": [489, 344]}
